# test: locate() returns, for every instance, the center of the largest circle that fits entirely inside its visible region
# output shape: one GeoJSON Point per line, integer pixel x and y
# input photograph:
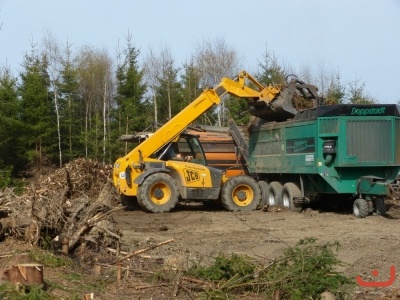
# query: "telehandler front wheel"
{"type": "Point", "coordinates": [158, 193]}
{"type": "Point", "coordinates": [241, 193]}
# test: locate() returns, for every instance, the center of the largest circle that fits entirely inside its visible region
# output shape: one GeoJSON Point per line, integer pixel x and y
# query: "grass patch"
{"type": "Point", "coordinates": [32, 292]}
{"type": "Point", "coordinates": [49, 259]}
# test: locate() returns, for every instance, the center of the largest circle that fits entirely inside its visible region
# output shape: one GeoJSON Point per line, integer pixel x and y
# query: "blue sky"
{"type": "Point", "coordinates": [359, 38]}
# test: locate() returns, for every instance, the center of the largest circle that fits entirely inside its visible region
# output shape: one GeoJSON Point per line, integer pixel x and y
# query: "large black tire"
{"type": "Point", "coordinates": [290, 191]}
{"type": "Point", "coordinates": [129, 202]}
{"type": "Point", "coordinates": [275, 193]}
{"type": "Point", "coordinates": [158, 193]}
{"type": "Point", "coordinates": [241, 193]}
{"type": "Point", "coordinates": [380, 206]}
{"type": "Point", "coordinates": [264, 192]}
{"type": "Point", "coordinates": [360, 208]}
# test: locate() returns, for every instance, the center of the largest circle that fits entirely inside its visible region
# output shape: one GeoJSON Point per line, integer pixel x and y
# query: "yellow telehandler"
{"type": "Point", "coordinates": [170, 166]}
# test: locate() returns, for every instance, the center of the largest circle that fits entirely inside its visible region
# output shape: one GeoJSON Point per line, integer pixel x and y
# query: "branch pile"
{"type": "Point", "coordinates": [74, 203]}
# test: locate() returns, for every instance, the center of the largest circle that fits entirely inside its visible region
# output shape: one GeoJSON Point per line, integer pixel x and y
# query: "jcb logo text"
{"type": "Point", "coordinates": [191, 176]}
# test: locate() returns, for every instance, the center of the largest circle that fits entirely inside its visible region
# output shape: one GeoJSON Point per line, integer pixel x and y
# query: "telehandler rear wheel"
{"type": "Point", "coordinates": [158, 193]}
{"type": "Point", "coordinates": [290, 191]}
{"type": "Point", "coordinates": [241, 193]}
{"type": "Point", "coordinates": [360, 208]}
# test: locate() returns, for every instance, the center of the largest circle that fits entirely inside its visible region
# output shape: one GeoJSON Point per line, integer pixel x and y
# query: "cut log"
{"type": "Point", "coordinates": [25, 274]}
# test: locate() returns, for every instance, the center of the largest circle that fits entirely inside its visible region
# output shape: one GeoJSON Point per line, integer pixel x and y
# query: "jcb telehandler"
{"type": "Point", "coordinates": [157, 179]}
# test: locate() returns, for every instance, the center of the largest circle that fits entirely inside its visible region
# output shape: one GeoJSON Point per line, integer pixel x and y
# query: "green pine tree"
{"type": "Point", "coordinates": [190, 82]}
{"type": "Point", "coordinates": [11, 152]}
{"type": "Point", "coordinates": [336, 91]}
{"type": "Point", "coordinates": [39, 134]}
{"type": "Point", "coordinates": [271, 72]}
{"type": "Point", "coordinates": [190, 89]}
{"type": "Point", "coordinates": [131, 114]}
{"type": "Point", "coordinates": [71, 109]}
{"type": "Point", "coordinates": [357, 93]}
{"type": "Point", "coordinates": [169, 93]}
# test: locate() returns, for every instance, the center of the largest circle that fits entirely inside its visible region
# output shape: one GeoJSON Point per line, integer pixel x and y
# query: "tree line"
{"type": "Point", "coordinates": [65, 105]}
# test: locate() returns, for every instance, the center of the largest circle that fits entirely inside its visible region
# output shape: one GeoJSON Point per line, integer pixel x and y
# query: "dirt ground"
{"type": "Point", "coordinates": [200, 233]}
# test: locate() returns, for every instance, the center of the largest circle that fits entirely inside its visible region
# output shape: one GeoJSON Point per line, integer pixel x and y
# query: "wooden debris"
{"type": "Point", "coordinates": [89, 296]}
{"type": "Point", "coordinates": [74, 203]}
{"type": "Point", "coordinates": [137, 252]}
{"type": "Point", "coordinates": [197, 281]}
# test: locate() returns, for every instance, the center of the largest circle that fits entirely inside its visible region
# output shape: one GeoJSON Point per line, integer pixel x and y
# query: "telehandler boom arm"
{"type": "Point", "coordinates": [183, 119]}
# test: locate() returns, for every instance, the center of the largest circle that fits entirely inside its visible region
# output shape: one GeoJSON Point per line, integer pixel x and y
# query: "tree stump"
{"type": "Point", "coordinates": [25, 274]}
{"type": "Point", "coordinates": [65, 246]}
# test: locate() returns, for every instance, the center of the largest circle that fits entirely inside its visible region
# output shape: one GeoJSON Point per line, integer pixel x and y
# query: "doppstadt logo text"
{"type": "Point", "coordinates": [368, 111]}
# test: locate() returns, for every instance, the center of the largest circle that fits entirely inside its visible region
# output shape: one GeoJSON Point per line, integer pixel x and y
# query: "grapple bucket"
{"type": "Point", "coordinates": [287, 101]}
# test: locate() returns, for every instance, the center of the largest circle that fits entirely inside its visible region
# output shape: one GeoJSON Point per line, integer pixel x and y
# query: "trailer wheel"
{"type": "Point", "coordinates": [241, 193]}
{"type": "Point", "coordinates": [264, 192]}
{"type": "Point", "coordinates": [275, 193]}
{"type": "Point", "coordinates": [380, 207]}
{"type": "Point", "coordinates": [158, 193]}
{"type": "Point", "coordinates": [360, 208]}
{"type": "Point", "coordinates": [290, 191]}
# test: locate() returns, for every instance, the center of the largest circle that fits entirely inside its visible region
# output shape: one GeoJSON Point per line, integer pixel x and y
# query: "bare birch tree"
{"type": "Point", "coordinates": [53, 54]}
{"type": "Point", "coordinates": [152, 67]}
{"type": "Point", "coordinates": [216, 59]}
{"type": "Point", "coordinates": [167, 65]}
{"type": "Point", "coordinates": [96, 86]}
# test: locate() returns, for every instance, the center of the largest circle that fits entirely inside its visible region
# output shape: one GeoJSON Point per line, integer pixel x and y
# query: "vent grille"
{"type": "Point", "coordinates": [370, 140]}
{"type": "Point", "coordinates": [328, 125]}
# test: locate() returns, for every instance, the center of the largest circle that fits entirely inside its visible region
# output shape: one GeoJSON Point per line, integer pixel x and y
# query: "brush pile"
{"type": "Point", "coordinates": [72, 204]}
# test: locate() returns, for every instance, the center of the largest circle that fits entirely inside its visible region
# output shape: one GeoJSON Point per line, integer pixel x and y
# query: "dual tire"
{"type": "Point", "coordinates": [289, 192]}
{"type": "Point", "coordinates": [275, 193]}
{"type": "Point", "coordinates": [361, 208]}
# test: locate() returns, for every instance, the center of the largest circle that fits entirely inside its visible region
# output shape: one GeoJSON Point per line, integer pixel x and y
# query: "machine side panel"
{"type": "Point", "coordinates": [284, 148]}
